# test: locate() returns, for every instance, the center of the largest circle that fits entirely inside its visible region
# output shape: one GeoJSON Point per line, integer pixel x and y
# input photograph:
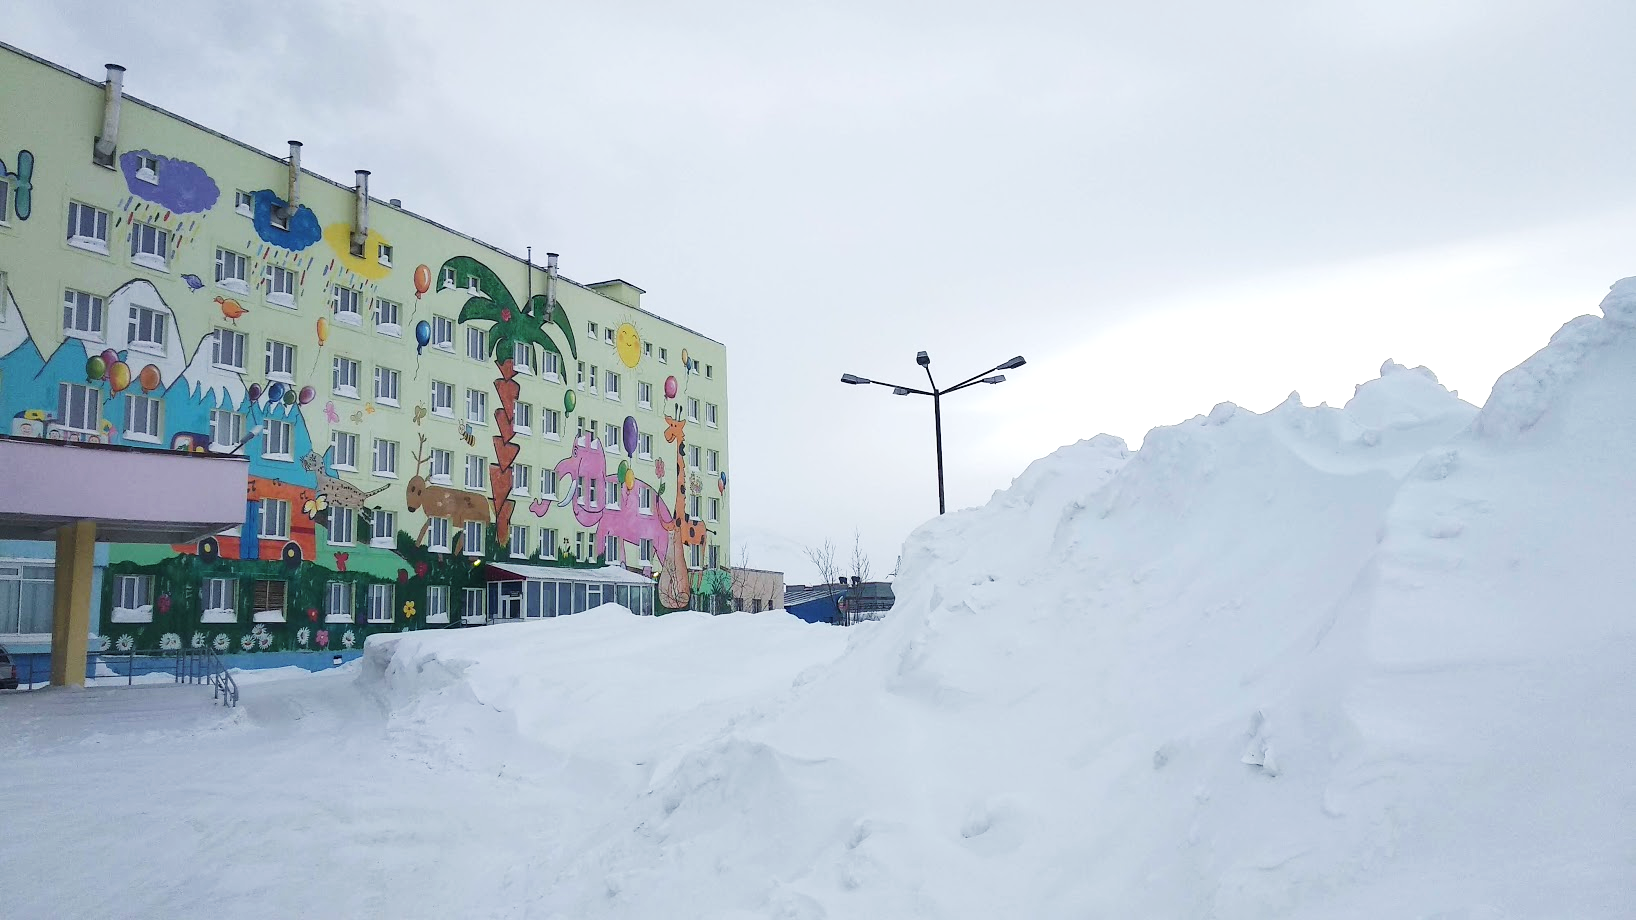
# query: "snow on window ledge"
{"type": "Point", "coordinates": [141, 438]}
{"type": "Point", "coordinates": [337, 618]}
{"type": "Point", "coordinates": [281, 300]}
{"type": "Point", "coordinates": [151, 260]}
{"type": "Point", "coordinates": [151, 348]}
{"type": "Point", "coordinates": [476, 619]}
{"type": "Point", "coordinates": [391, 329]}
{"type": "Point", "coordinates": [269, 616]}
{"type": "Point", "coordinates": [438, 618]}
{"type": "Point", "coordinates": [143, 614]}
{"type": "Point", "coordinates": [89, 244]}
{"type": "Point", "coordinates": [348, 318]}
{"type": "Point", "coordinates": [235, 285]}
{"type": "Point", "coordinates": [219, 615]}
{"type": "Point", "coordinates": [382, 542]}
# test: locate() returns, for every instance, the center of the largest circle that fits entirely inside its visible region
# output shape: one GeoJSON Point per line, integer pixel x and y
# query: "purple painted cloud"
{"type": "Point", "coordinates": [183, 187]}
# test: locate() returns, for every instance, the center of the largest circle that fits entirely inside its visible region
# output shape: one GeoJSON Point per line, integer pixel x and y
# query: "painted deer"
{"type": "Point", "coordinates": [459, 506]}
{"type": "Point", "coordinates": [626, 521]}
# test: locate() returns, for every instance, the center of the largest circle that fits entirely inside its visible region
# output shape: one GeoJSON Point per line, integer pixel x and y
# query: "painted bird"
{"type": "Point", "coordinates": [194, 282]}
{"type": "Point", "coordinates": [231, 308]}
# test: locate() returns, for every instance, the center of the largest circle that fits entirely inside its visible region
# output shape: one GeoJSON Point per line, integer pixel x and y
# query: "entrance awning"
{"type": "Point", "coordinates": [134, 495]}
{"type": "Point", "coordinates": [611, 574]}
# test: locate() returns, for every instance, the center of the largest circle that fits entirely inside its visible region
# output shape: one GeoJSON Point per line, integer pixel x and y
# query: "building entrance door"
{"type": "Point", "coordinates": [511, 600]}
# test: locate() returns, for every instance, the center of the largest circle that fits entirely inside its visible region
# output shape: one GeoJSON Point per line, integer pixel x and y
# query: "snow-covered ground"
{"type": "Point", "coordinates": [1359, 662]}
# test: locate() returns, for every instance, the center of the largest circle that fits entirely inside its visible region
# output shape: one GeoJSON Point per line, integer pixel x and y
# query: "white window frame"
{"type": "Point", "coordinates": [232, 270]}
{"type": "Point", "coordinates": [155, 323]}
{"type": "Point", "coordinates": [82, 305]}
{"type": "Point", "coordinates": [88, 403]}
{"type": "Point", "coordinates": [147, 168]}
{"type": "Point", "coordinates": [522, 475]}
{"type": "Point", "coordinates": [713, 510]}
{"type": "Point", "coordinates": [218, 590]}
{"type": "Point", "coordinates": [644, 445]}
{"type": "Point", "coordinates": [340, 602]}
{"type": "Point", "coordinates": [477, 344]}
{"type": "Point", "coordinates": [523, 417]}
{"type": "Point", "coordinates": [522, 357]}
{"type": "Point", "coordinates": [644, 499]}
{"type": "Point", "coordinates": [472, 539]}
{"type": "Point", "coordinates": [437, 535]}
{"type": "Point", "coordinates": [148, 411]}
{"type": "Point", "coordinates": [441, 466]}
{"type": "Point", "coordinates": [710, 415]}
{"type": "Point", "coordinates": [344, 451]}
{"type": "Point", "coordinates": [548, 542]}
{"type": "Point", "coordinates": [446, 282]}
{"type": "Point", "coordinates": [644, 395]}
{"type": "Point", "coordinates": [380, 601]}
{"type": "Point", "coordinates": [383, 254]}
{"type": "Point", "coordinates": [473, 598]}
{"type": "Point", "coordinates": [280, 284]}
{"type": "Point", "coordinates": [243, 202]}
{"type": "Point", "coordinates": [390, 521]}
{"type": "Point", "coordinates": [279, 361]}
{"type": "Point", "coordinates": [548, 482]}
{"type": "Point", "coordinates": [551, 367]}
{"type": "Point", "coordinates": [479, 468]}
{"type": "Point", "coordinates": [277, 446]}
{"type": "Point", "coordinates": [519, 541]}
{"type": "Point", "coordinates": [610, 385]}
{"type": "Point", "coordinates": [82, 216]}
{"type": "Point", "coordinates": [347, 304]}
{"type": "Point", "coordinates": [551, 424]}
{"type": "Point", "coordinates": [712, 461]}
{"type": "Point", "coordinates": [343, 370]}
{"type": "Point", "coordinates": [150, 246]}
{"type": "Point", "coordinates": [343, 526]}
{"type": "Point", "coordinates": [133, 599]}
{"type": "Point", "coordinates": [442, 408]}
{"type": "Point", "coordinates": [437, 604]}
{"type": "Point", "coordinates": [442, 332]}
{"type": "Point", "coordinates": [692, 409]}
{"type": "Point", "coordinates": [384, 458]}
{"type": "Point", "coordinates": [477, 406]}
{"type": "Point", "coordinates": [387, 385]}
{"type": "Point", "coordinates": [385, 309]}
{"type": "Point", "coordinates": [234, 422]}
{"type": "Point", "coordinates": [227, 349]}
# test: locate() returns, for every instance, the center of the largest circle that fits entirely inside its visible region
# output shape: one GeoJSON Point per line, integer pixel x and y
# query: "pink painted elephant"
{"type": "Point", "coordinates": [584, 484]}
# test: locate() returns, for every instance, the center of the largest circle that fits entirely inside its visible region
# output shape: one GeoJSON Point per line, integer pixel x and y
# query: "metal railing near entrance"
{"type": "Point", "coordinates": [141, 666]}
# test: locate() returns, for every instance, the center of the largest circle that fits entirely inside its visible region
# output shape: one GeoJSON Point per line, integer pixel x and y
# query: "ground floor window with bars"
{"type": "Point", "coordinates": [437, 604]}
{"type": "Point", "coordinates": [267, 598]}
{"type": "Point", "coordinates": [133, 599]}
{"type": "Point", "coordinates": [380, 603]}
{"type": "Point", "coordinates": [338, 603]}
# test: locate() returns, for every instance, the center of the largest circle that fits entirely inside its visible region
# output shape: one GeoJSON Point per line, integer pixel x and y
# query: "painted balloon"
{"type": "Point", "coordinates": [423, 334]}
{"type": "Point", "coordinates": [623, 469]}
{"type": "Point", "coordinates": [670, 387]}
{"type": "Point", "coordinates": [721, 483]}
{"type": "Point", "coordinates": [255, 392]}
{"type": "Point", "coordinates": [149, 378]}
{"type": "Point", "coordinates": [308, 394]}
{"type": "Point", "coordinates": [423, 280]}
{"type": "Point", "coordinates": [687, 367]}
{"type": "Point", "coordinates": [568, 400]}
{"type": "Point", "coordinates": [323, 330]}
{"type": "Point", "coordinates": [119, 374]}
{"type": "Point", "coordinates": [630, 480]}
{"type": "Point", "coordinates": [289, 397]}
{"type": "Point", "coordinates": [95, 368]}
{"type": "Point", "coordinates": [631, 434]}
{"type": "Point", "coordinates": [109, 356]}
{"type": "Point", "coordinates": [275, 392]}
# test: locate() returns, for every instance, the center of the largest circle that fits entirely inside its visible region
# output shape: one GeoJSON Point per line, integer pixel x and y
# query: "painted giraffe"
{"type": "Point", "coordinates": [675, 591]}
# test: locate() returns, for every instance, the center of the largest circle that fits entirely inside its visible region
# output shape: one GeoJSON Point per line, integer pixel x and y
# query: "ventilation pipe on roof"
{"type": "Point", "coordinates": [550, 284]}
{"type": "Point", "coordinates": [293, 199]}
{"type": "Point", "coordinates": [108, 141]}
{"type": "Point", "coordinates": [360, 217]}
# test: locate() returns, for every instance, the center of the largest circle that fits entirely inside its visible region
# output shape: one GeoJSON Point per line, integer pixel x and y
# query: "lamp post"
{"type": "Point", "coordinates": [937, 395]}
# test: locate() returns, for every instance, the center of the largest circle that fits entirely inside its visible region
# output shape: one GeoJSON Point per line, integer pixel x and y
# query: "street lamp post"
{"type": "Point", "coordinates": [937, 395]}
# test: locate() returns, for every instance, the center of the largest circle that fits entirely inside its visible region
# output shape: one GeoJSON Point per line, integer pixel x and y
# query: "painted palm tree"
{"type": "Point", "coordinates": [513, 325]}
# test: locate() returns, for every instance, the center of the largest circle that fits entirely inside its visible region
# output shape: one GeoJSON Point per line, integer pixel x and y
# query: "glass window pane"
{"type": "Point", "coordinates": [579, 598]}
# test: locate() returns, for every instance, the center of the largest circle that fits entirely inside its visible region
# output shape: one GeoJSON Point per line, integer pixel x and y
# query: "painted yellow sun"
{"type": "Point", "coordinates": [629, 344]}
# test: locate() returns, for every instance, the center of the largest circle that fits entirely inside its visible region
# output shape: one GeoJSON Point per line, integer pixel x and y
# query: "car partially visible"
{"type": "Point", "coordinates": [8, 671]}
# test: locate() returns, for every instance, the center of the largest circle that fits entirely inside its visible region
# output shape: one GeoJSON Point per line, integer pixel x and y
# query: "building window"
{"type": "Point", "coordinates": [472, 287]}
{"type": "Point", "coordinates": [383, 254]}
{"type": "Point", "coordinates": [87, 227]}
{"type": "Point", "coordinates": [647, 552]}
{"type": "Point", "coordinates": [523, 418]}
{"type": "Point", "coordinates": [142, 419]}
{"type": "Point", "coordinates": [280, 361]}
{"type": "Point", "coordinates": [443, 333]}
{"type": "Point", "coordinates": [551, 423]}
{"type": "Point", "coordinates": [338, 603]}
{"type": "Point", "coordinates": [133, 599]}
{"type": "Point", "coordinates": [580, 374]}
{"type": "Point", "coordinates": [147, 329]}
{"type": "Point", "coordinates": [267, 598]}
{"type": "Point", "coordinates": [439, 535]}
{"type": "Point", "coordinates": [710, 414]}
{"type": "Point", "coordinates": [692, 410]}
{"type": "Point", "coordinates": [477, 407]}
{"type": "Point", "coordinates": [276, 442]}
{"type": "Point", "coordinates": [521, 475]}
{"type": "Point", "coordinates": [471, 540]}
{"type": "Point", "coordinates": [386, 458]}
{"type": "Point", "coordinates": [217, 598]}
{"type": "Point", "coordinates": [693, 507]}
{"type": "Point", "coordinates": [380, 603]}
{"type": "Point", "coordinates": [442, 399]}
{"type": "Point", "coordinates": [693, 456]}
{"type": "Point", "coordinates": [612, 435]}
{"type": "Point", "coordinates": [519, 541]}
{"type": "Point", "coordinates": [611, 549]}
{"type": "Point", "coordinates": [715, 509]}
{"type": "Point", "coordinates": [386, 386]}
{"type": "Point", "coordinates": [230, 271]}
{"type": "Point", "coordinates": [548, 542]}
{"type": "Point", "coordinates": [280, 285]}
{"type": "Point", "coordinates": [553, 367]}
{"type": "Point", "coordinates": [447, 281]}
{"type": "Point", "coordinates": [471, 610]}
{"type": "Point", "coordinates": [610, 386]}
{"type": "Point", "coordinates": [345, 448]}
{"type": "Point", "coordinates": [694, 557]}
{"type": "Point", "coordinates": [437, 604]}
{"type": "Point", "coordinates": [591, 378]}
{"type": "Point", "coordinates": [713, 461]}
{"type": "Point", "coordinates": [150, 245]}
{"type": "Point", "coordinates": [147, 168]}
{"type": "Point", "coordinates": [477, 344]}
{"type": "Point", "coordinates": [715, 556]}
{"type": "Point", "coordinates": [442, 463]}
{"type": "Point", "coordinates": [227, 349]}
{"type": "Point", "coordinates": [709, 372]}
{"type": "Point", "coordinates": [226, 430]}
{"type": "Point", "coordinates": [243, 203]}
{"type": "Point", "coordinates": [387, 315]}
{"type": "Point", "coordinates": [644, 395]}
{"type": "Point", "coordinates": [82, 315]}
{"type": "Point", "coordinates": [548, 482]}
{"type": "Point", "coordinates": [644, 499]}
{"type": "Point", "coordinates": [476, 467]}
{"type": "Point", "coordinates": [607, 335]}
{"type": "Point", "coordinates": [344, 301]}
{"type": "Point", "coordinates": [522, 357]}
{"type": "Point", "coordinates": [614, 489]}
{"type": "Point", "coordinates": [590, 330]}
{"type": "Point", "coordinates": [344, 377]}
{"type": "Point", "coordinates": [384, 532]}
{"type": "Point", "coordinates": [343, 528]}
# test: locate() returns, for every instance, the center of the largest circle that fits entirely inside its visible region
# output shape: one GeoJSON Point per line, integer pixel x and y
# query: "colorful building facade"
{"type": "Point", "coordinates": [439, 433]}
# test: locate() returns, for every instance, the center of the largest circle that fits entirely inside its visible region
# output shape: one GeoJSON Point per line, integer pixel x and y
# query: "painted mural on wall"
{"type": "Point", "coordinates": [20, 183]}
{"type": "Point", "coordinates": [179, 186]}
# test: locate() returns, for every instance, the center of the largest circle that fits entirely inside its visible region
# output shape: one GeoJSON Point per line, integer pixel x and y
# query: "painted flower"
{"type": "Point", "coordinates": [220, 642]}
{"type": "Point", "coordinates": [315, 506]}
{"type": "Point", "coordinates": [348, 639]}
{"type": "Point", "coordinates": [340, 562]}
{"type": "Point", "coordinates": [198, 639]}
{"type": "Point", "coordinates": [164, 603]}
{"type": "Point", "coordinates": [312, 614]}
{"type": "Point", "coordinates": [505, 315]}
{"type": "Point", "coordinates": [303, 636]}
{"type": "Point", "coordinates": [264, 641]}
{"type": "Point", "coordinates": [99, 643]}
{"type": "Point", "coordinates": [420, 569]}
{"type": "Point", "coordinates": [170, 642]}
{"type": "Point", "coordinates": [247, 642]}
{"type": "Point", "coordinates": [125, 643]}
{"type": "Point", "coordinates": [659, 467]}
{"type": "Point", "coordinates": [322, 638]}
{"type": "Point", "coordinates": [409, 609]}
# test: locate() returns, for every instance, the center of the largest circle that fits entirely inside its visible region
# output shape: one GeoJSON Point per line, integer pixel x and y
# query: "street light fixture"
{"type": "Point", "coordinates": [925, 361]}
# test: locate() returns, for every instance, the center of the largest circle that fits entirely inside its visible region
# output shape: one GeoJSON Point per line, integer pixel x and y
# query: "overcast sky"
{"type": "Point", "coordinates": [1161, 205]}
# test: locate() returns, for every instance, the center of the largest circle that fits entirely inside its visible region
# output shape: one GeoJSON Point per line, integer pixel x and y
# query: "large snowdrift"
{"type": "Point", "coordinates": [1368, 661]}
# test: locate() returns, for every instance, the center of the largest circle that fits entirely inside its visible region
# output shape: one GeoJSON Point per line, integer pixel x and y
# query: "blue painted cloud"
{"type": "Point", "coordinates": [304, 230]}
{"type": "Point", "coordinates": [183, 187]}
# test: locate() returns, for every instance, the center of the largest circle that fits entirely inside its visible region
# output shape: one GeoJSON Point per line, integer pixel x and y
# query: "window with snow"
{"type": "Point", "coordinates": [133, 599]}
{"type": "Point", "coordinates": [87, 228]}
{"type": "Point", "coordinates": [150, 246]}
{"type": "Point", "coordinates": [82, 315]}
{"type": "Point", "coordinates": [280, 364]}
{"type": "Point", "coordinates": [147, 329]}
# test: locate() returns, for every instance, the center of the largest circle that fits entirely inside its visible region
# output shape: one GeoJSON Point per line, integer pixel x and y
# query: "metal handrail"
{"type": "Point", "coordinates": [189, 666]}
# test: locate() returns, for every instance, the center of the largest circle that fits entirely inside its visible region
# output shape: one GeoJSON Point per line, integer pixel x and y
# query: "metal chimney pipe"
{"type": "Point", "coordinates": [108, 141]}
{"type": "Point", "coordinates": [550, 283]}
{"type": "Point", "coordinates": [360, 219]}
{"type": "Point", "coordinates": [293, 199]}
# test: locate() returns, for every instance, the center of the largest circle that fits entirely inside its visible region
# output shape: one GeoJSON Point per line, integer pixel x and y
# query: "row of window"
{"type": "Point", "coordinates": [219, 600]}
